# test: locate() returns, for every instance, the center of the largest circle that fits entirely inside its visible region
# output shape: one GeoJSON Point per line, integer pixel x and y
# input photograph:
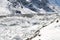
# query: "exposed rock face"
{"type": "Point", "coordinates": [31, 5]}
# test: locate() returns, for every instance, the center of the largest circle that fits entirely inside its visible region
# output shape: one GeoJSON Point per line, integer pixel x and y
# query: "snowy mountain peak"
{"type": "Point", "coordinates": [33, 5]}
{"type": "Point", "coordinates": [28, 6]}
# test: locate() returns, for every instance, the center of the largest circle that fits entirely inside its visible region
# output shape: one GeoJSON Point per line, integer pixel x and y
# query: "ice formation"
{"type": "Point", "coordinates": [26, 19]}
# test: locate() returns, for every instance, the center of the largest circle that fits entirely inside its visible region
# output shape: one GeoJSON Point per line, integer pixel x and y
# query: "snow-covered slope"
{"type": "Point", "coordinates": [23, 27]}
{"type": "Point", "coordinates": [50, 32]}
{"type": "Point", "coordinates": [3, 8]}
{"type": "Point", "coordinates": [26, 19]}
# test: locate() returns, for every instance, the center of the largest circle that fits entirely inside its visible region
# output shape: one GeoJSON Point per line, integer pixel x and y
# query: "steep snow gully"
{"type": "Point", "coordinates": [29, 20]}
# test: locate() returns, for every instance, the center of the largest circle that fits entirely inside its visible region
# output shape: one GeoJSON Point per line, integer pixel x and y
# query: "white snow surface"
{"type": "Point", "coordinates": [23, 27]}
{"type": "Point", "coordinates": [50, 32]}
{"type": "Point", "coordinates": [29, 24]}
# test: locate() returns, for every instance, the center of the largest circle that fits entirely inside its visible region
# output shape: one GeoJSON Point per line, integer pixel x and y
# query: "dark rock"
{"type": "Point", "coordinates": [57, 21]}
{"type": "Point", "coordinates": [18, 11]}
